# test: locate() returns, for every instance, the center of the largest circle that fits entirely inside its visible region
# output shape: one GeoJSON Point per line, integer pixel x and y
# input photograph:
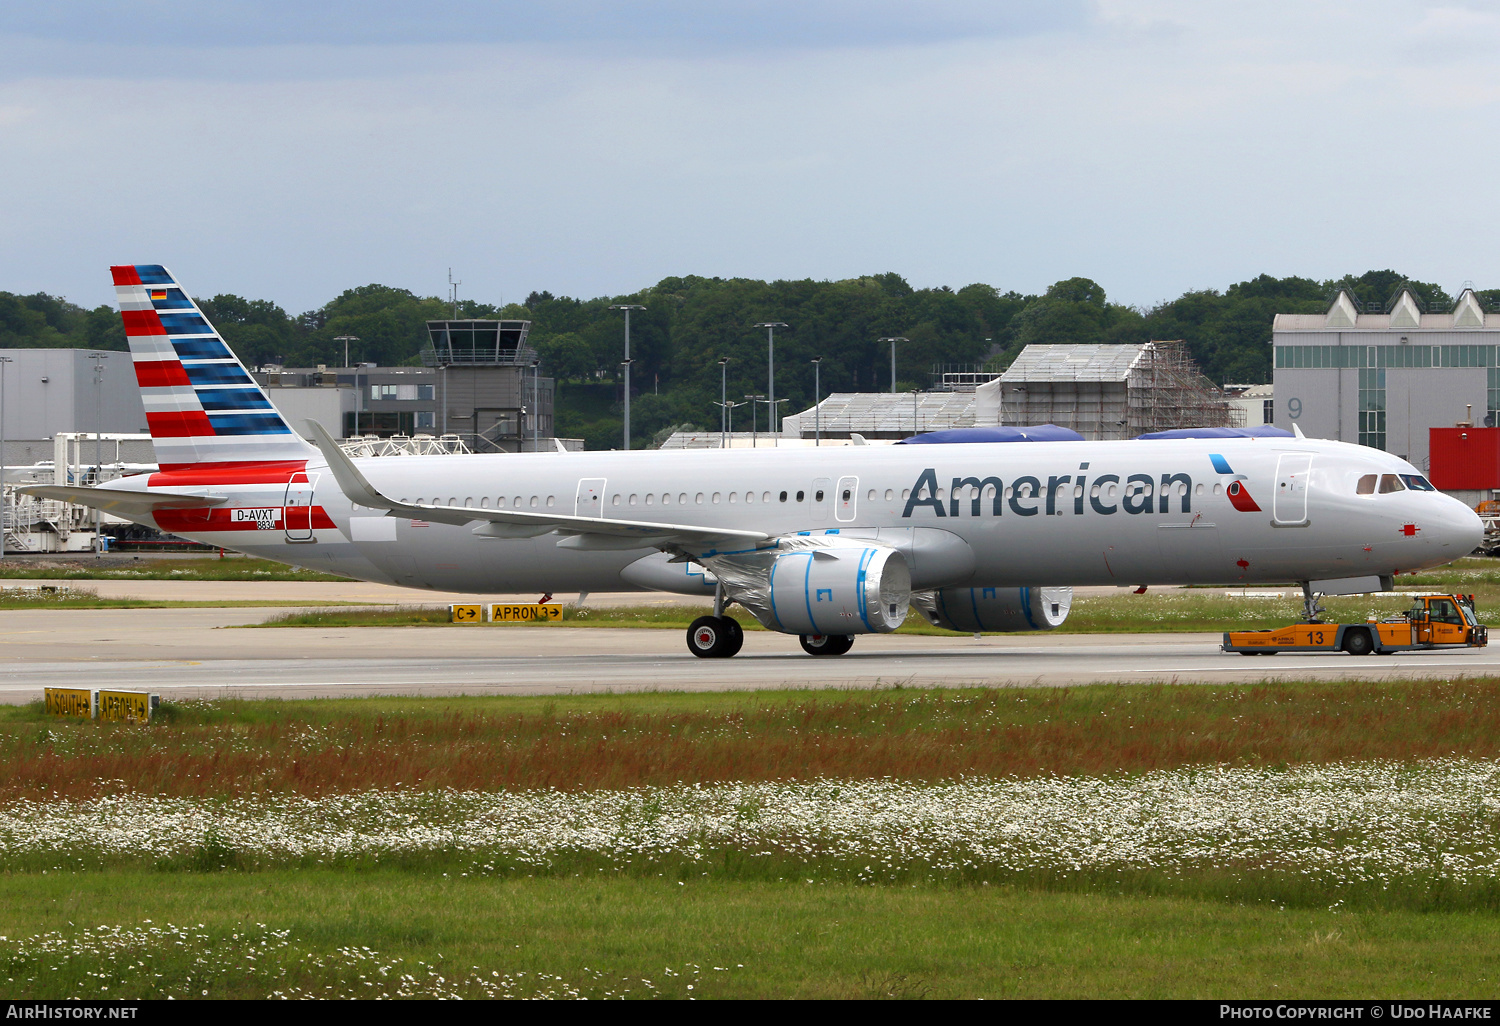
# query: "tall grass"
{"type": "Point", "coordinates": [232, 748]}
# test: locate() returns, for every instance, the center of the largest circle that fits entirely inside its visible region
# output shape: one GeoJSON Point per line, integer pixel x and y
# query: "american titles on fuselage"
{"type": "Point", "coordinates": [1027, 496]}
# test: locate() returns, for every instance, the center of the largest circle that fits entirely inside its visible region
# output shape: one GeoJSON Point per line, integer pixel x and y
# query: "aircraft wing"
{"type": "Point", "coordinates": [126, 503]}
{"type": "Point", "coordinates": [591, 532]}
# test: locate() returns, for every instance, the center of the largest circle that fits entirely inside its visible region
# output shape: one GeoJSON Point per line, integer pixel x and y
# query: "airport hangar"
{"type": "Point", "coordinates": [1397, 378]}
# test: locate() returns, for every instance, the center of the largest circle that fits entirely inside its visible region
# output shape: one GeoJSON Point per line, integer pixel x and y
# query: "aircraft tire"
{"type": "Point", "coordinates": [826, 644]}
{"type": "Point", "coordinates": [708, 638]}
{"type": "Point", "coordinates": [736, 639]}
{"type": "Point", "coordinates": [1358, 643]}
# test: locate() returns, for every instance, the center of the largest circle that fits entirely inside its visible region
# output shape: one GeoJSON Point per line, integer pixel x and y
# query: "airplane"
{"type": "Point", "coordinates": [822, 543]}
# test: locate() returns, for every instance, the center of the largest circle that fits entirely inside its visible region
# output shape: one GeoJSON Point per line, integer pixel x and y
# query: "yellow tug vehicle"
{"type": "Point", "coordinates": [1433, 621]}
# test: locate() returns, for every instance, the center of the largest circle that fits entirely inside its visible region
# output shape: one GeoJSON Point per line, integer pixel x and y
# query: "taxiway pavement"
{"type": "Point", "coordinates": [197, 652]}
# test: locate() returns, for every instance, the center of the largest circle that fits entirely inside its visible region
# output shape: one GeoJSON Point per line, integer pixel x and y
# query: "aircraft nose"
{"type": "Point", "coordinates": [1459, 529]}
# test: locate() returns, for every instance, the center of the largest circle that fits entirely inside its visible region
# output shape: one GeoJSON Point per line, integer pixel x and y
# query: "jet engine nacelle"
{"type": "Point", "coordinates": [995, 609]}
{"type": "Point", "coordinates": [823, 585]}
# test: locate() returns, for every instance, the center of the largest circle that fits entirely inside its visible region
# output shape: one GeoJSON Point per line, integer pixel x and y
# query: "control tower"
{"type": "Point", "coordinates": [489, 389]}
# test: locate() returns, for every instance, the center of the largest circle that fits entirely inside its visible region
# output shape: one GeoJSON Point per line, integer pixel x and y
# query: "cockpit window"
{"type": "Point", "coordinates": [1367, 484]}
{"type": "Point", "coordinates": [1391, 483]}
{"type": "Point", "coordinates": [1418, 483]}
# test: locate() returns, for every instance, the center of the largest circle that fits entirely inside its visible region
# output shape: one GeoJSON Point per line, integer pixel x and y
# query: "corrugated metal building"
{"type": "Point", "coordinates": [1384, 378]}
{"type": "Point", "coordinates": [55, 391]}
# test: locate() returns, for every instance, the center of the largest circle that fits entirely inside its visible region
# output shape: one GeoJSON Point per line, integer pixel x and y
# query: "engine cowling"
{"type": "Point", "coordinates": [995, 609]}
{"type": "Point", "coordinates": [822, 585]}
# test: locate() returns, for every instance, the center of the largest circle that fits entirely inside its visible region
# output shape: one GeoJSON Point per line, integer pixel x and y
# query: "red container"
{"type": "Point", "coordinates": [1464, 458]}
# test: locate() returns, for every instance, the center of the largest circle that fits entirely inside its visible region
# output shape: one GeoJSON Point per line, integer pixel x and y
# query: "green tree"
{"type": "Point", "coordinates": [257, 330]}
{"type": "Point", "coordinates": [1377, 289]}
{"type": "Point", "coordinates": [566, 356]}
{"type": "Point", "coordinates": [1074, 311]}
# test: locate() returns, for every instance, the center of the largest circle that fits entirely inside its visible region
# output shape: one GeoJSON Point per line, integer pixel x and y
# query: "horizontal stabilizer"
{"type": "Point", "coordinates": [126, 504]}
{"type": "Point", "coordinates": [359, 490]}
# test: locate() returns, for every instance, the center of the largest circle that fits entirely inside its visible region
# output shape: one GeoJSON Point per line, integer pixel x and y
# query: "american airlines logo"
{"type": "Point", "coordinates": [1104, 494]}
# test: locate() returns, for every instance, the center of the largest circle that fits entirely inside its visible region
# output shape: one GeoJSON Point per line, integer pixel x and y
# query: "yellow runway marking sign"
{"type": "Point", "coordinates": [69, 702]}
{"type": "Point", "coordinates": [525, 612]}
{"type": "Point", "coordinates": [460, 613]}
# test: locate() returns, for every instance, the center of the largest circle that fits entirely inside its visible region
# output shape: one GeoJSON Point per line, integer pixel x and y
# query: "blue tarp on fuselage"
{"type": "Point", "coordinates": [1032, 433]}
{"type": "Point", "coordinates": [1258, 431]}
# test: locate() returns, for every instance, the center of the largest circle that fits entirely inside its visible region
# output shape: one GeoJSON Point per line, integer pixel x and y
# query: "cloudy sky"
{"type": "Point", "coordinates": [289, 150]}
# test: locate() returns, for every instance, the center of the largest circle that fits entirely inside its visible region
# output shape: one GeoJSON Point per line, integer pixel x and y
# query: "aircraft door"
{"type": "Point", "coordinates": [1289, 506]}
{"type": "Point", "coordinates": [297, 508]}
{"type": "Point", "coordinates": [822, 498]}
{"type": "Point", "coordinates": [846, 499]}
{"type": "Point", "coordinates": [590, 500]}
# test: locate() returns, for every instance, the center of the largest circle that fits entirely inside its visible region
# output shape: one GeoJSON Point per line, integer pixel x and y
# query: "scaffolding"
{"type": "Point", "coordinates": [1110, 391]}
{"type": "Point", "coordinates": [1168, 391]}
{"type": "Point", "coordinates": [404, 445]}
{"type": "Point", "coordinates": [889, 415]}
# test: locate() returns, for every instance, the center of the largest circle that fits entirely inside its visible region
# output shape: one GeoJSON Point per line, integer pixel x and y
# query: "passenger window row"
{"type": "Point", "coordinates": [1367, 486]}
{"type": "Point", "coordinates": [485, 502]}
{"type": "Point", "coordinates": [681, 499]}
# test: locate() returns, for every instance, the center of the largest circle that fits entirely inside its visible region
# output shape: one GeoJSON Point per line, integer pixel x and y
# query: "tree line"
{"type": "Point", "coordinates": [691, 322]}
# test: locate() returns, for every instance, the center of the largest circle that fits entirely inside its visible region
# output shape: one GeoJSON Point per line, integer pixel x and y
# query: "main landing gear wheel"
{"type": "Point", "coordinates": [826, 644]}
{"type": "Point", "coordinates": [715, 637]}
{"type": "Point", "coordinates": [736, 636]}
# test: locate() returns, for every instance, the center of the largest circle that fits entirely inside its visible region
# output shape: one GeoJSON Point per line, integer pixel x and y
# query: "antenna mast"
{"type": "Point", "coordinates": [453, 292]}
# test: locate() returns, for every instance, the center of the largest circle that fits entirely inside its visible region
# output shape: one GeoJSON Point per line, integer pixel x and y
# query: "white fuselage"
{"type": "Point", "coordinates": [1031, 513]}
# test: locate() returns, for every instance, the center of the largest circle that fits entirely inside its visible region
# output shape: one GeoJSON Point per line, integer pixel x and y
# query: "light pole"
{"type": "Point", "coordinates": [754, 421]}
{"type": "Point", "coordinates": [771, 327]}
{"type": "Point", "coordinates": [359, 397]}
{"type": "Point", "coordinates": [346, 339]}
{"type": "Point", "coordinates": [771, 413]}
{"type": "Point", "coordinates": [626, 364]}
{"type": "Point", "coordinates": [723, 399]}
{"type": "Point", "coordinates": [817, 362]}
{"type": "Point", "coordinates": [98, 359]}
{"type": "Point", "coordinates": [893, 340]}
{"type": "Point", "coordinates": [727, 411]}
{"type": "Point", "coordinates": [627, 307]}
{"type": "Point", "coordinates": [4, 502]}
{"type": "Point", "coordinates": [536, 404]}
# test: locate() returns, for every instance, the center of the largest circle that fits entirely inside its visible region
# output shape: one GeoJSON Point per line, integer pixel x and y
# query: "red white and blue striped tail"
{"type": "Point", "coordinates": [202, 406]}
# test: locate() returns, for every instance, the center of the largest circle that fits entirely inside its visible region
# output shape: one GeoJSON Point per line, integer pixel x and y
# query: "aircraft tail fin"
{"type": "Point", "coordinates": [202, 407]}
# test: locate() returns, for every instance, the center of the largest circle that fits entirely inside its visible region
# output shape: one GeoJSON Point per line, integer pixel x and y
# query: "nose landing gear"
{"type": "Point", "coordinates": [715, 637]}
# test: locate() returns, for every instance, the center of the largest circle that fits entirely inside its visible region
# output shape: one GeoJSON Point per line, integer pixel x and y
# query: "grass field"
{"type": "Point", "coordinates": [655, 938]}
{"type": "Point", "coordinates": [233, 567]}
{"type": "Point", "coordinates": [75, 597]}
{"type": "Point", "coordinates": [1275, 840]}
